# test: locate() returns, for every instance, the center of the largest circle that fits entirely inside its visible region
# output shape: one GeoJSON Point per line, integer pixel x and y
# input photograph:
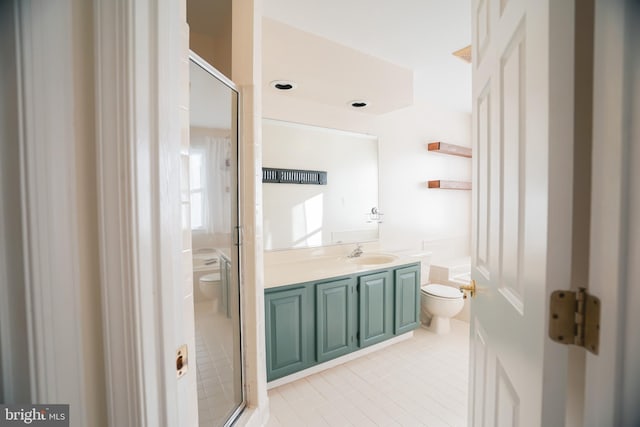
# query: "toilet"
{"type": "Point", "coordinates": [440, 303]}
{"type": "Point", "coordinates": [211, 288]}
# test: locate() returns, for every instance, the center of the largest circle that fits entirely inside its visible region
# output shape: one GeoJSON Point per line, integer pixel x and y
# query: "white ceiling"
{"type": "Point", "coordinates": [417, 34]}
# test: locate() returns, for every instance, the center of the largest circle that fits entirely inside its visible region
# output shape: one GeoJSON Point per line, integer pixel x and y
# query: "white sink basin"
{"type": "Point", "coordinates": [373, 259]}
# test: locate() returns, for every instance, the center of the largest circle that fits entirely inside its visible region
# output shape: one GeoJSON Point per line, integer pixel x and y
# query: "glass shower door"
{"type": "Point", "coordinates": [213, 178]}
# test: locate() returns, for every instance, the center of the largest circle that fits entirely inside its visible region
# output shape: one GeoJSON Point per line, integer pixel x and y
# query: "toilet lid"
{"type": "Point", "coordinates": [211, 277]}
{"type": "Point", "coordinates": [442, 291]}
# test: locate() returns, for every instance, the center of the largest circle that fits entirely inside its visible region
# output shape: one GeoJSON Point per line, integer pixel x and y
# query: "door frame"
{"type": "Point", "coordinates": [611, 377]}
{"type": "Point", "coordinates": [53, 132]}
{"type": "Point", "coordinates": [15, 368]}
{"type": "Point", "coordinates": [141, 68]}
{"type": "Point", "coordinates": [128, 51]}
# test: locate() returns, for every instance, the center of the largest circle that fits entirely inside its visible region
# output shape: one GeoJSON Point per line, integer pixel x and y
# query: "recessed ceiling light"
{"type": "Point", "coordinates": [359, 103]}
{"type": "Point", "coordinates": [284, 84]}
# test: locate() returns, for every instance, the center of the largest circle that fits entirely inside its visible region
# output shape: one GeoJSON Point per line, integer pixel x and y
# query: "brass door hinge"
{"type": "Point", "coordinates": [574, 318]}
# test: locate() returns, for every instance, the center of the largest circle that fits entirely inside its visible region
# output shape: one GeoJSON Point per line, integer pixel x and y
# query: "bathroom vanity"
{"type": "Point", "coordinates": [324, 304]}
{"type": "Point", "coordinates": [313, 321]}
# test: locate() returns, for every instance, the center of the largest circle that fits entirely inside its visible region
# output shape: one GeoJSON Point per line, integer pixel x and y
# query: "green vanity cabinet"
{"type": "Point", "coordinates": [407, 299]}
{"type": "Point", "coordinates": [375, 320]}
{"type": "Point", "coordinates": [313, 322]}
{"type": "Point", "coordinates": [335, 318]}
{"type": "Point", "coordinates": [289, 318]}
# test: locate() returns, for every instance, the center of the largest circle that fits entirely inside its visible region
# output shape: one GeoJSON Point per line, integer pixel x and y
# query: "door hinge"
{"type": "Point", "coordinates": [574, 318]}
{"type": "Point", "coordinates": [238, 236]}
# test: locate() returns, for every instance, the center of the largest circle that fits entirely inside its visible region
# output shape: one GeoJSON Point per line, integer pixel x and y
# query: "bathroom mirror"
{"type": "Point", "coordinates": [309, 215]}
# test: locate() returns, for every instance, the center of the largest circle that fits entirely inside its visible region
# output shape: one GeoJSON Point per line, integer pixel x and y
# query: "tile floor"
{"type": "Point", "coordinates": [218, 394]}
{"type": "Point", "coordinates": [418, 382]}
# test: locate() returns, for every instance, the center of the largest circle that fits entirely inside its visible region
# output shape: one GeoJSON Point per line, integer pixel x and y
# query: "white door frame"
{"type": "Point", "coordinates": [612, 382]}
{"type": "Point", "coordinates": [115, 65]}
{"type": "Point", "coordinates": [137, 47]}
{"type": "Point", "coordinates": [141, 49]}
{"type": "Point", "coordinates": [132, 90]}
{"type": "Point", "coordinates": [14, 368]}
{"type": "Point", "coordinates": [54, 121]}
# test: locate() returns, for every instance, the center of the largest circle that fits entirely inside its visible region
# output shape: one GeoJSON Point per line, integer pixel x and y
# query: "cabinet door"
{"type": "Point", "coordinates": [288, 316]}
{"type": "Point", "coordinates": [375, 298]}
{"type": "Point", "coordinates": [335, 321]}
{"type": "Point", "coordinates": [407, 299]}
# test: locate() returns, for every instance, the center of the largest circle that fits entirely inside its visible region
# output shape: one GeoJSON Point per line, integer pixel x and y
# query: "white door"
{"type": "Point", "coordinates": [523, 154]}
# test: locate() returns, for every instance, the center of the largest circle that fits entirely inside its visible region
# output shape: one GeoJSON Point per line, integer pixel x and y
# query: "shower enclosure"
{"type": "Point", "coordinates": [213, 184]}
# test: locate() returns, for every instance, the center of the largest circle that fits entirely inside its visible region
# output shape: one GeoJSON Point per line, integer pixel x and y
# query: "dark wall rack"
{"type": "Point", "coordinates": [293, 176]}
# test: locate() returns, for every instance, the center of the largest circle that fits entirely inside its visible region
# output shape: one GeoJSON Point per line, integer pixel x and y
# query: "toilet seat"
{"type": "Point", "coordinates": [210, 278]}
{"type": "Point", "coordinates": [441, 291]}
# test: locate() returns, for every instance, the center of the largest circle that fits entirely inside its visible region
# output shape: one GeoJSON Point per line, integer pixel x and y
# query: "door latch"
{"type": "Point", "coordinates": [574, 318]}
{"type": "Point", "coordinates": [470, 288]}
{"type": "Point", "coordinates": [182, 361]}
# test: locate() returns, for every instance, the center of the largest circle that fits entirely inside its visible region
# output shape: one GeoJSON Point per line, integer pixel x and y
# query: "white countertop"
{"type": "Point", "coordinates": [315, 268]}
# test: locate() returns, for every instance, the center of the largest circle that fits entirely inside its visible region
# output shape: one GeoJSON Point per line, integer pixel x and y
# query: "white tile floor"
{"type": "Point", "coordinates": [217, 391]}
{"type": "Point", "coordinates": [418, 382]}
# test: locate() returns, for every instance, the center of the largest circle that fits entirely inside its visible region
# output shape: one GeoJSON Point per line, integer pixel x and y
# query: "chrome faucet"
{"type": "Point", "coordinates": [356, 252]}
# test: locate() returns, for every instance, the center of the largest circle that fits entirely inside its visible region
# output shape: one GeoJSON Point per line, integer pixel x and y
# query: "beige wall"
{"type": "Point", "coordinates": [246, 73]}
{"type": "Point", "coordinates": [216, 51]}
{"type": "Point", "coordinates": [210, 31]}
